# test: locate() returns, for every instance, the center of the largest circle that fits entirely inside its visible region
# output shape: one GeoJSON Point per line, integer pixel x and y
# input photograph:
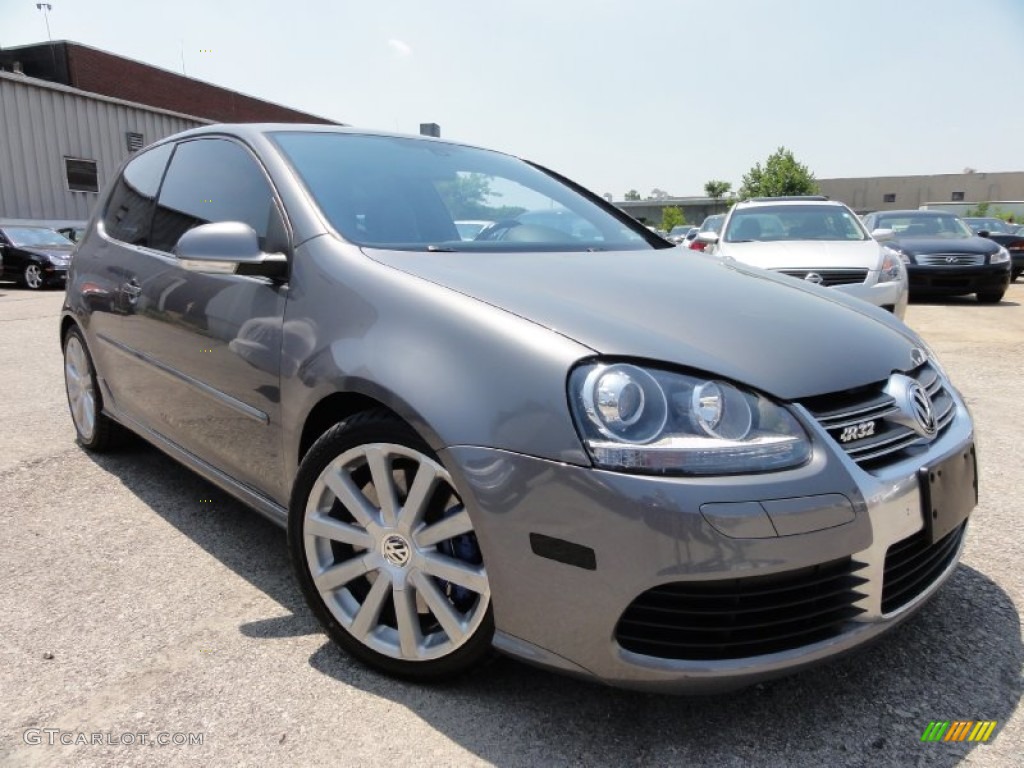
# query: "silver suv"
{"type": "Point", "coordinates": [818, 240]}
{"type": "Point", "coordinates": [558, 439]}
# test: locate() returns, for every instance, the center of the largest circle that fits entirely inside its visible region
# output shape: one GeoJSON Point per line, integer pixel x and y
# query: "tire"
{"type": "Point", "coordinates": [32, 277]}
{"type": "Point", "coordinates": [402, 590]}
{"type": "Point", "coordinates": [991, 297]}
{"type": "Point", "coordinates": [93, 430]}
{"type": "Point", "coordinates": [1015, 275]}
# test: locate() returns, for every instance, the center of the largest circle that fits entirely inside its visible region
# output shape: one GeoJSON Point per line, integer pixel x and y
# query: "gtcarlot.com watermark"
{"type": "Point", "coordinates": [57, 736]}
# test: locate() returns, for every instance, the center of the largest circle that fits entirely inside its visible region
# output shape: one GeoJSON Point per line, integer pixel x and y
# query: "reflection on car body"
{"type": "Point", "coordinates": [527, 441]}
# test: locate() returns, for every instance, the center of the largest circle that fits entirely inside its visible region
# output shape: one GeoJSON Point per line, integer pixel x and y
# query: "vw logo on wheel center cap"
{"type": "Point", "coordinates": [396, 550]}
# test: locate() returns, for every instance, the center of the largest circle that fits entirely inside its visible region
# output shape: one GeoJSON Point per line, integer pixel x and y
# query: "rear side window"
{"type": "Point", "coordinates": [212, 180]}
{"type": "Point", "coordinates": [131, 203]}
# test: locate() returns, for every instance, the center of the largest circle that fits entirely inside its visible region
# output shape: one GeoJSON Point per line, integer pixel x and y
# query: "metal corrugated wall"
{"type": "Point", "coordinates": [40, 125]}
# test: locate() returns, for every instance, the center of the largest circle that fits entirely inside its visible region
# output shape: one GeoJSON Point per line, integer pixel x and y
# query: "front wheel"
{"type": "Point", "coordinates": [385, 552]}
{"type": "Point", "coordinates": [32, 277]}
{"type": "Point", "coordinates": [991, 297]}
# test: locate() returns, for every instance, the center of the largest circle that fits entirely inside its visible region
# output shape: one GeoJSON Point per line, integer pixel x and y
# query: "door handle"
{"type": "Point", "coordinates": [132, 289]}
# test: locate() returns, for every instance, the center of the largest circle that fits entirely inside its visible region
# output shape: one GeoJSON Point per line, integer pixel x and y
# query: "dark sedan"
{"type": "Point", "coordinates": [34, 256]}
{"type": "Point", "coordinates": [1007, 235]}
{"type": "Point", "coordinates": [942, 254]}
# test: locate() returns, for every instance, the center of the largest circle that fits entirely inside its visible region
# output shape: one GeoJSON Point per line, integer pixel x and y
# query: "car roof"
{"type": "Point", "coordinates": [795, 200]}
{"type": "Point", "coordinates": [251, 132]}
{"type": "Point", "coordinates": [914, 212]}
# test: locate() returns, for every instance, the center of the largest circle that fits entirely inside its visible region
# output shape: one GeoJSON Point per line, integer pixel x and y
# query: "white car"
{"type": "Point", "coordinates": [815, 239]}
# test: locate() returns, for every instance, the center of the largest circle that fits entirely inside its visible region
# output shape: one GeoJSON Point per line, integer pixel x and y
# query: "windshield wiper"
{"type": "Point", "coordinates": [441, 249]}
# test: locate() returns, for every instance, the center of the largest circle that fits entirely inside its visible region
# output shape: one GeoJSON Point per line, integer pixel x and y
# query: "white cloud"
{"type": "Point", "coordinates": [400, 48]}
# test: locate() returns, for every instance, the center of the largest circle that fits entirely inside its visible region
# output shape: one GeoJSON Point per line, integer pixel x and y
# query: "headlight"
{"type": "Point", "coordinates": [999, 257]}
{"type": "Point", "coordinates": [892, 266]}
{"type": "Point", "coordinates": [655, 422]}
{"type": "Point", "coordinates": [891, 250]}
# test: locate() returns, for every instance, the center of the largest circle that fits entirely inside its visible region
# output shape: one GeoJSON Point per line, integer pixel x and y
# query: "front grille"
{"type": "Point", "coordinates": [829, 277]}
{"type": "Point", "coordinates": [912, 565]}
{"type": "Point", "coordinates": [843, 413]}
{"type": "Point", "coordinates": [743, 617]}
{"type": "Point", "coordinates": [951, 259]}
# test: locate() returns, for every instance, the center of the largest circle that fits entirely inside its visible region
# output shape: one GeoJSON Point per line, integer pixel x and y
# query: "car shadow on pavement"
{"type": "Point", "coordinates": [958, 301]}
{"type": "Point", "coordinates": [240, 538]}
{"type": "Point", "coordinates": [959, 658]}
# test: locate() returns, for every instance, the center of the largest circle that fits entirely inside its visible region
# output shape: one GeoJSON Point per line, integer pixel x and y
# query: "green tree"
{"type": "Point", "coordinates": [672, 217]}
{"type": "Point", "coordinates": [469, 196]}
{"type": "Point", "coordinates": [780, 176]}
{"type": "Point", "coordinates": [980, 211]}
{"type": "Point", "coordinates": [632, 195]}
{"type": "Point", "coordinates": [717, 189]}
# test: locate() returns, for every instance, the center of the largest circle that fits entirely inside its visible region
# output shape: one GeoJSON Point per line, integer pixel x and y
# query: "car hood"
{"type": "Point", "coordinates": [721, 317]}
{"type": "Point", "coordinates": [923, 245]}
{"type": "Point", "coordinates": [805, 254]}
{"type": "Point", "coordinates": [59, 252]}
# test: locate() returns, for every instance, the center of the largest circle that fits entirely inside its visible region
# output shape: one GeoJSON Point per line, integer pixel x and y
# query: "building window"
{"type": "Point", "coordinates": [81, 175]}
{"type": "Point", "coordinates": [957, 197]}
{"type": "Point", "coordinates": [889, 197]}
{"type": "Point", "coordinates": [134, 141]}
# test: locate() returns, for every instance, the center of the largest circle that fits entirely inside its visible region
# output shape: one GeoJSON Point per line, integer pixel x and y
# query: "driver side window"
{"type": "Point", "coordinates": [214, 180]}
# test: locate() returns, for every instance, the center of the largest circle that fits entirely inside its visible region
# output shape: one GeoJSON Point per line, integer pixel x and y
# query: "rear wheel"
{"type": "Point", "coordinates": [93, 429]}
{"type": "Point", "coordinates": [386, 553]}
{"type": "Point", "coordinates": [991, 297]}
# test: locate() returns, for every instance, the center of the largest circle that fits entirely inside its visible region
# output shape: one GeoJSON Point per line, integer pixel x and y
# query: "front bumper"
{"type": "Point", "coordinates": [54, 273]}
{"type": "Point", "coordinates": [647, 531]}
{"type": "Point", "coordinates": [957, 280]}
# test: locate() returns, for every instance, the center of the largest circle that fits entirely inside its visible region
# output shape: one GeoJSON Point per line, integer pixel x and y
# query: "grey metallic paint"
{"type": "Point", "coordinates": [474, 351]}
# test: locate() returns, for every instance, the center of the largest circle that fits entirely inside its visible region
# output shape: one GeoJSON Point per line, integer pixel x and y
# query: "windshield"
{"type": "Point", "coordinates": [21, 236]}
{"type": "Point", "coordinates": [793, 222]}
{"type": "Point", "coordinates": [941, 225]}
{"type": "Point", "coordinates": [713, 223]}
{"type": "Point", "coordinates": [413, 194]}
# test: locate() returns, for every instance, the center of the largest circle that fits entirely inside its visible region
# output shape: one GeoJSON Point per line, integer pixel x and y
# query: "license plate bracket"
{"type": "Point", "coordinates": [949, 491]}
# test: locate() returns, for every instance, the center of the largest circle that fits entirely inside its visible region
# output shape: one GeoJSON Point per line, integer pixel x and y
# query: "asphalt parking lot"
{"type": "Point", "coordinates": [138, 600]}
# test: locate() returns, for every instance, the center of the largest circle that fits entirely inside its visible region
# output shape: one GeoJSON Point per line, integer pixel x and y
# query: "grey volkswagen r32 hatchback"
{"type": "Point", "coordinates": [562, 439]}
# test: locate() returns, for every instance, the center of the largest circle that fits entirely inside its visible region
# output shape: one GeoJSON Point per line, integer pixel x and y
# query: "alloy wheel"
{"type": "Point", "coordinates": [33, 277]}
{"type": "Point", "coordinates": [392, 553]}
{"type": "Point", "coordinates": [79, 382]}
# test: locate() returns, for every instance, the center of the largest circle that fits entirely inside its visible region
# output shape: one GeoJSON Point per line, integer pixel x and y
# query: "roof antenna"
{"type": "Point", "coordinates": [183, 59]}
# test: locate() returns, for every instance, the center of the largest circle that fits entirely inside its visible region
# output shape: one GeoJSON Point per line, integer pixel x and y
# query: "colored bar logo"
{"type": "Point", "coordinates": [959, 730]}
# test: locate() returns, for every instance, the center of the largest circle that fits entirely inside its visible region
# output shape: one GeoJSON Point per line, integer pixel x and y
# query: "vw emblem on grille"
{"type": "Point", "coordinates": [396, 550]}
{"type": "Point", "coordinates": [921, 404]}
{"type": "Point", "coordinates": [814, 277]}
{"type": "Point", "coordinates": [913, 405]}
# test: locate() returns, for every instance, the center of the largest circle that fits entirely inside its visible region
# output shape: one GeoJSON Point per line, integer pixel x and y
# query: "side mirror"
{"type": "Point", "coordinates": [983, 233]}
{"type": "Point", "coordinates": [708, 237]}
{"type": "Point", "coordinates": [228, 247]}
{"type": "Point", "coordinates": [882, 234]}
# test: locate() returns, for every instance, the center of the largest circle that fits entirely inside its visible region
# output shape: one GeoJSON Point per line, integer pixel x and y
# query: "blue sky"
{"type": "Point", "coordinates": [614, 94]}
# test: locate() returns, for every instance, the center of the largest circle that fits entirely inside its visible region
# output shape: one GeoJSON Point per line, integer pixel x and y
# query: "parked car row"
{"type": "Point", "coordinates": [883, 257]}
